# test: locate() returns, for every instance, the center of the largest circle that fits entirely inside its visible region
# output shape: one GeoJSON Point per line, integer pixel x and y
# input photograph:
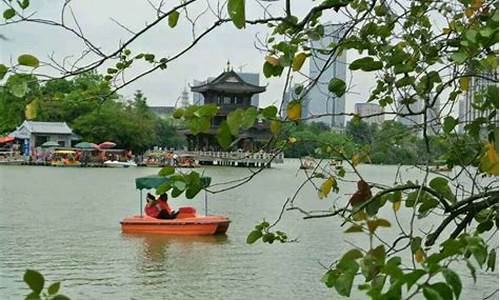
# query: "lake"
{"type": "Point", "coordinates": [64, 222]}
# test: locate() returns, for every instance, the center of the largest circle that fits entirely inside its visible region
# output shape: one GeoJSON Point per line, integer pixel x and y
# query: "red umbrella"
{"type": "Point", "coordinates": [106, 145]}
{"type": "Point", "coordinates": [6, 139]}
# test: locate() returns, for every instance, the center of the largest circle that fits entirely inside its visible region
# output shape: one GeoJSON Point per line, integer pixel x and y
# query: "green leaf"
{"type": "Point", "coordinates": [366, 64]}
{"type": "Point", "coordinates": [24, 4]}
{"type": "Point", "coordinates": [440, 184]}
{"type": "Point", "coordinates": [449, 124]}
{"type": "Point", "coordinates": [208, 110]}
{"type": "Point", "coordinates": [343, 284]}
{"type": "Point", "coordinates": [3, 71]}
{"type": "Point", "coordinates": [407, 80]}
{"type": "Point", "coordinates": [34, 280]}
{"type": "Point", "coordinates": [19, 89]}
{"type": "Point", "coordinates": [54, 288]}
{"type": "Point", "coordinates": [403, 68]}
{"type": "Point", "coordinates": [234, 121]}
{"type": "Point", "coordinates": [193, 190]}
{"type": "Point", "coordinates": [412, 277]}
{"type": "Point", "coordinates": [352, 254]}
{"type": "Point", "coordinates": [431, 294]}
{"type": "Point", "coordinates": [270, 112]}
{"type": "Point", "coordinates": [178, 113]}
{"type": "Point", "coordinates": [354, 228]}
{"type": "Point", "coordinates": [254, 236]}
{"type": "Point", "coordinates": [459, 57]}
{"type": "Point", "coordinates": [416, 243]}
{"type": "Point", "coordinates": [60, 297]}
{"type": "Point", "coordinates": [224, 136]}
{"type": "Point", "coordinates": [173, 17]}
{"type": "Point", "coordinates": [454, 281]}
{"type": "Point", "coordinates": [9, 13]}
{"type": "Point", "coordinates": [236, 10]}
{"type": "Point", "coordinates": [165, 171]}
{"type": "Point", "coordinates": [28, 60]}
{"type": "Point", "coordinates": [492, 260]}
{"type": "Point", "coordinates": [337, 86]}
{"type": "Point", "coordinates": [163, 188]}
{"type": "Point", "coordinates": [472, 270]}
{"type": "Point", "coordinates": [33, 296]}
{"type": "Point", "coordinates": [249, 117]}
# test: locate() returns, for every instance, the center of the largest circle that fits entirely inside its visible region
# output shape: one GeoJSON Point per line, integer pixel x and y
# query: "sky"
{"type": "Point", "coordinates": [206, 59]}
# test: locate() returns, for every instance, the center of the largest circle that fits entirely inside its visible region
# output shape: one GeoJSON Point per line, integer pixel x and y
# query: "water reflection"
{"type": "Point", "coordinates": [154, 248]}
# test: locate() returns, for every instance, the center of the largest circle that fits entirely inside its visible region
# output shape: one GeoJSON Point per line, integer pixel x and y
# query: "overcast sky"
{"type": "Point", "coordinates": [207, 58]}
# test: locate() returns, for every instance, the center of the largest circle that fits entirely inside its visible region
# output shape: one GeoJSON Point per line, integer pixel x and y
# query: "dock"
{"type": "Point", "coordinates": [235, 158]}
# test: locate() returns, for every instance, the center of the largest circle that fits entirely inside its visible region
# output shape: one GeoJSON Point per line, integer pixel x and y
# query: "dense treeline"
{"type": "Point", "coordinates": [387, 143]}
{"type": "Point", "coordinates": [84, 102]}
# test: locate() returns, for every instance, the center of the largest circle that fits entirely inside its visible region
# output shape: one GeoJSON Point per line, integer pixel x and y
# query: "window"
{"type": "Point", "coordinates": [227, 100]}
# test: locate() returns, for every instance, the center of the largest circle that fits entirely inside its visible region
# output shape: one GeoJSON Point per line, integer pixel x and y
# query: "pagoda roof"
{"type": "Point", "coordinates": [229, 82]}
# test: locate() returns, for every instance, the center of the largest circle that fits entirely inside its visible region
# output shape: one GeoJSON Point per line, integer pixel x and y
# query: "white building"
{"type": "Point", "coordinates": [319, 100]}
{"type": "Point", "coordinates": [467, 113]}
{"type": "Point", "coordinates": [368, 109]}
{"type": "Point", "coordinates": [34, 134]}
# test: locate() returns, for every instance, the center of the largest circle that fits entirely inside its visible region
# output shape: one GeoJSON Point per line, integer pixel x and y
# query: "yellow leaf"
{"type": "Point", "coordinates": [294, 110]}
{"type": "Point", "coordinates": [420, 255]}
{"type": "Point", "coordinates": [469, 12]}
{"type": "Point", "coordinates": [464, 84]}
{"type": "Point", "coordinates": [356, 159]}
{"type": "Point", "coordinates": [30, 110]}
{"type": "Point", "coordinates": [396, 205]}
{"type": "Point", "coordinates": [298, 61]}
{"type": "Point", "coordinates": [326, 187]}
{"type": "Point", "coordinates": [275, 127]}
{"type": "Point", "coordinates": [446, 30]}
{"type": "Point", "coordinates": [360, 216]}
{"type": "Point", "coordinates": [476, 4]}
{"type": "Point", "coordinates": [374, 224]}
{"type": "Point", "coordinates": [489, 160]}
{"type": "Point", "coordinates": [292, 140]}
{"type": "Point", "coordinates": [273, 60]}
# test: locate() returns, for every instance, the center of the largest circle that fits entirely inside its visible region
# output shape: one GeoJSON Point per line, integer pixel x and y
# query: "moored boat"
{"type": "Point", "coordinates": [187, 222]}
{"type": "Point", "coordinates": [119, 164]}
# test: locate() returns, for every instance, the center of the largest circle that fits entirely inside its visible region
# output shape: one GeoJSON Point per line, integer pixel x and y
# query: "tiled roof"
{"type": "Point", "coordinates": [46, 127]}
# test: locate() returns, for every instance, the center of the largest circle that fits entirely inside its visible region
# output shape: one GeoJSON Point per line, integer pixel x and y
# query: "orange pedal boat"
{"type": "Point", "coordinates": [187, 222]}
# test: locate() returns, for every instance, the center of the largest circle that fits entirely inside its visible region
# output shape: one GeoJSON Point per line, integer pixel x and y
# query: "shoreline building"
{"type": "Point", "coordinates": [368, 109]}
{"type": "Point", "coordinates": [230, 92]}
{"type": "Point", "coordinates": [33, 134]}
{"type": "Point", "coordinates": [319, 100]}
{"type": "Point", "coordinates": [466, 111]}
{"type": "Point", "coordinates": [252, 78]}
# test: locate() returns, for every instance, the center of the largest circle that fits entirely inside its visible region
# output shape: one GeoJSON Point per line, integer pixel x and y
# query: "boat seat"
{"type": "Point", "coordinates": [186, 212]}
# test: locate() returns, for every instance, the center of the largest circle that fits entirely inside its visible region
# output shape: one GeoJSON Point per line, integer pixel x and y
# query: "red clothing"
{"type": "Point", "coordinates": [166, 206]}
{"type": "Point", "coordinates": [152, 210]}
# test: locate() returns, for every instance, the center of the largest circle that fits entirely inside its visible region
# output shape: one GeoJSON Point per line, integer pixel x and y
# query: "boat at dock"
{"type": "Point", "coordinates": [119, 164]}
{"type": "Point", "coordinates": [187, 222]}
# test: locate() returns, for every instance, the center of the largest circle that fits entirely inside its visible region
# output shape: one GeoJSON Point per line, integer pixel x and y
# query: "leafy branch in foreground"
{"type": "Point", "coordinates": [36, 283]}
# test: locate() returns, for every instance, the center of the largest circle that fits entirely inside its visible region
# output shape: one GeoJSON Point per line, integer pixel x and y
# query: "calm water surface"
{"type": "Point", "coordinates": [65, 223]}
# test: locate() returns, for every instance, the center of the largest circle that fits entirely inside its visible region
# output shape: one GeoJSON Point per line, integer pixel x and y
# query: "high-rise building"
{"type": "Point", "coordinates": [252, 78]}
{"type": "Point", "coordinates": [368, 109]}
{"type": "Point", "coordinates": [319, 100]}
{"type": "Point", "coordinates": [467, 113]}
{"type": "Point", "coordinates": [416, 121]}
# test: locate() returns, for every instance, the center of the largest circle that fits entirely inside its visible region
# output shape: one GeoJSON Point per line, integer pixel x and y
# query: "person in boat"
{"type": "Point", "coordinates": [152, 208]}
{"type": "Point", "coordinates": [159, 208]}
{"type": "Point", "coordinates": [166, 210]}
